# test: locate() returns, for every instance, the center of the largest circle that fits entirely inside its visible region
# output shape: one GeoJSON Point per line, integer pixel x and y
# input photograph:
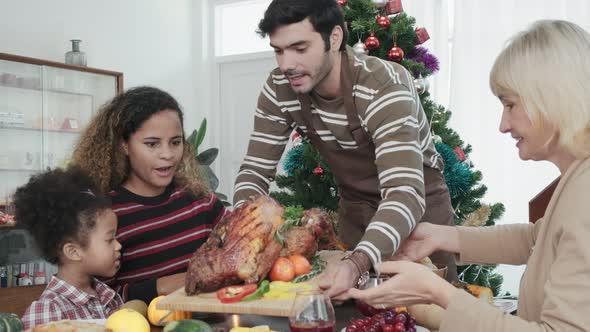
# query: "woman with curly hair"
{"type": "Point", "coordinates": [73, 225]}
{"type": "Point", "coordinates": [135, 149]}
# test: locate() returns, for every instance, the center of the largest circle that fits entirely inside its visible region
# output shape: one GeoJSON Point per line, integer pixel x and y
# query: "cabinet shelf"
{"type": "Point", "coordinates": [60, 131]}
{"type": "Point", "coordinates": [38, 89]}
{"type": "Point", "coordinates": [20, 170]}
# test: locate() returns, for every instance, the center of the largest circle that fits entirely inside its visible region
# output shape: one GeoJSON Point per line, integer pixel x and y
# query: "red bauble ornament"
{"type": "Point", "coordinates": [383, 21]}
{"type": "Point", "coordinates": [395, 53]}
{"type": "Point", "coordinates": [372, 42]}
{"type": "Point", "coordinates": [460, 154]}
{"type": "Point", "coordinates": [421, 35]}
{"type": "Point", "coordinates": [393, 7]}
{"type": "Point", "coordinates": [318, 171]}
{"type": "Point", "coordinates": [342, 2]}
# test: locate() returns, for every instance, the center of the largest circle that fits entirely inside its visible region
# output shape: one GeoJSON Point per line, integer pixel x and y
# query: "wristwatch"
{"type": "Point", "coordinates": [364, 277]}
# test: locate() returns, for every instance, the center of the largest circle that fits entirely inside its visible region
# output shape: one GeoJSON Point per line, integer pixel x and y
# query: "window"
{"type": "Point", "coordinates": [235, 27]}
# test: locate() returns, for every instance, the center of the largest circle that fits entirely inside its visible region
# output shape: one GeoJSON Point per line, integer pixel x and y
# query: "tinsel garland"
{"type": "Point", "coordinates": [422, 55]}
{"type": "Point", "coordinates": [458, 175]}
{"type": "Point", "coordinates": [293, 160]}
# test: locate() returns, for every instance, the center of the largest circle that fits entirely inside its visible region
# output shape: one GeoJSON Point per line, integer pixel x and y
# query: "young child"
{"type": "Point", "coordinates": [135, 149]}
{"type": "Point", "coordinates": [74, 227]}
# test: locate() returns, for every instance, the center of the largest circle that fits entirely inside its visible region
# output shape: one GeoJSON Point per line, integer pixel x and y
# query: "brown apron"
{"type": "Point", "coordinates": [355, 173]}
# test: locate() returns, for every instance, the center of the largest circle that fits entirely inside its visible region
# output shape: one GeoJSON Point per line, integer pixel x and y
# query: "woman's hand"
{"type": "Point", "coordinates": [426, 239]}
{"type": "Point", "coordinates": [411, 283]}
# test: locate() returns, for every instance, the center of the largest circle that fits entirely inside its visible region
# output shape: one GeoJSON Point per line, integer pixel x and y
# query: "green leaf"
{"type": "Point", "coordinates": [209, 176]}
{"type": "Point", "coordinates": [317, 266]}
{"type": "Point", "coordinates": [191, 139]}
{"type": "Point", "coordinates": [293, 212]}
{"type": "Point", "coordinates": [200, 135]}
{"type": "Point", "coordinates": [208, 156]}
{"type": "Point", "coordinates": [285, 227]}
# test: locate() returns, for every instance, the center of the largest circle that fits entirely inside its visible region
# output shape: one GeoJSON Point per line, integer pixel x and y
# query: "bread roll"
{"type": "Point", "coordinates": [70, 326]}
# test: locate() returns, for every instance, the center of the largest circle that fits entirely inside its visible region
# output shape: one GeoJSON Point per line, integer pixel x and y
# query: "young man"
{"type": "Point", "coordinates": [364, 116]}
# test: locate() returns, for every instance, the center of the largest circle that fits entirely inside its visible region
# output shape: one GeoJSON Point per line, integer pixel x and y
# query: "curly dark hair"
{"type": "Point", "coordinates": [99, 150]}
{"type": "Point", "coordinates": [324, 15]}
{"type": "Point", "coordinates": [57, 207]}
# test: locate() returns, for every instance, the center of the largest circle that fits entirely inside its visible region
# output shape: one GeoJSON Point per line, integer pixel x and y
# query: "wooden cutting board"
{"type": "Point", "coordinates": [208, 302]}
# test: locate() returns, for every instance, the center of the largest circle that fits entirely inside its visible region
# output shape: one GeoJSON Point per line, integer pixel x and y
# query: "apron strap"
{"type": "Point", "coordinates": [354, 124]}
{"type": "Point", "coordinates": [346, 86]}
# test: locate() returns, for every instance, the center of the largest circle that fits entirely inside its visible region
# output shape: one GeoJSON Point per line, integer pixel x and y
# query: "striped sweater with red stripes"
{"type": "Point", "coordinates": [158, 236]}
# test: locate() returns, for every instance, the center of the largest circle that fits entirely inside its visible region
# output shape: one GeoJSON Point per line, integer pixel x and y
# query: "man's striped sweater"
{"type": "Point", "coordinates": [390, 111]}
{"type": "Point", "coordinates": [158, 236]}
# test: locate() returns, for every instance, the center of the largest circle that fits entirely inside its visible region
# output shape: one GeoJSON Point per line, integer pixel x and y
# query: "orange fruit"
{"type": "Point", "coordinates": [302, 265]}
{"type": "Point", "coordinates": [282, 270]}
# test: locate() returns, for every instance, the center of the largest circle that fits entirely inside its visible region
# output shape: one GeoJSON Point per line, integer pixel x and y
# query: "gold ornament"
{"type": "Point", "coordinates": [478, 217]}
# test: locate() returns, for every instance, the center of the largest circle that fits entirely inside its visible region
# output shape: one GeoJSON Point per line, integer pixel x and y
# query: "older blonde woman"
{"type": "Point", "coordinates": [541, 79]}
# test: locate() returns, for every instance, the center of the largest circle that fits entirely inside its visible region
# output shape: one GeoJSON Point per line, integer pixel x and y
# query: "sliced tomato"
{"type": "Point", "coordinates": [232, 294]}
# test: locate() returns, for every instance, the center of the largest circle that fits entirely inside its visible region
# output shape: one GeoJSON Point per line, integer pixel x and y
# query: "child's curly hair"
{"type": "Point", "coordinates": [99, 149]}
{"type": "Point", "coordinates": [57, 207]}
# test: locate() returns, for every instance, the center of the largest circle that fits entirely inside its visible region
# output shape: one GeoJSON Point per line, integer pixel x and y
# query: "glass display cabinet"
{"type": "Point", "coordinates": [44, 106]}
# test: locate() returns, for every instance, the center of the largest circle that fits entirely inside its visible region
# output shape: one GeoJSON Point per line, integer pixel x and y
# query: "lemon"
{"type": "Point", "coordinates": [137, 305]}
{"type": "Point", "coordinates": [127, 320]}
{"type": "Point", "coordinates": [240, 329]}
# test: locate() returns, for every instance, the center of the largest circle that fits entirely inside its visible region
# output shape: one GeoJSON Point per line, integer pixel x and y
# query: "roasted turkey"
{"type": "Point", "coordinates": [315, 233]}
{"type": "Point", "coordinates": [243, 247]}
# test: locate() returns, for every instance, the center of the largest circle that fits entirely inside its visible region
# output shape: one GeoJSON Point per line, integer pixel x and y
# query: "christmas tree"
{"type": "Point", "coordinates": [392, 35]}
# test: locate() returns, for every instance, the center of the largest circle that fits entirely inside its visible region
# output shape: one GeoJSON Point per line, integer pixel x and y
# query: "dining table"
{"type": "Point", "coordinates": [224, 322]}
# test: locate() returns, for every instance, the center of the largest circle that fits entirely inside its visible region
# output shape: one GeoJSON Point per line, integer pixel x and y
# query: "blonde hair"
{"type": "Point", "coordinates": [548, 67]}
{"type": "Point", "coordinates": [99, 151]}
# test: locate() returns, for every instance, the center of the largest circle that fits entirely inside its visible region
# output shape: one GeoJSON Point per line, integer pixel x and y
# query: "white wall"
{"type": "Point", "coordinates": [150, 41]}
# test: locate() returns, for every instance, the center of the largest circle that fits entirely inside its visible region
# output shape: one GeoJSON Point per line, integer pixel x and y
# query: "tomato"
{"type": "Point", "coordinates": [235, 293]}
{"type": "Point", "coordinates": [301, 264]}
{"type": "Point", "coordinates": [282, 270]}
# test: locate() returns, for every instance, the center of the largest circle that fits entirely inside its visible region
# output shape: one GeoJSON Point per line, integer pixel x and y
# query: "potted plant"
{"type": "Point", "coordinates": [205, 159]}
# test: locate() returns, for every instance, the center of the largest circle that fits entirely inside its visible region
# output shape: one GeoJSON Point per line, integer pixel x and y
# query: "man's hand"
{"type": "Point", "coordinates": [338, 279]}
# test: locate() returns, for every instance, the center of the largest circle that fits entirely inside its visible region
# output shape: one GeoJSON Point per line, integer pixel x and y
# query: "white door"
{"type": "Point", "coordinates": [240, 82]}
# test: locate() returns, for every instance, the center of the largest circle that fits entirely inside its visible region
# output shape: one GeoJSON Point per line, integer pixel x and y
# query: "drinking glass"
{"type": "Point", "coordinates": [363, 307]}
{"type": "Point", "coordinates": [312, 311]}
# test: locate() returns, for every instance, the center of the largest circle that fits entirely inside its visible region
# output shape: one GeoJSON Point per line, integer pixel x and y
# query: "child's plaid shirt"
{"type": "Point", "coordinates": [61, 300]}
